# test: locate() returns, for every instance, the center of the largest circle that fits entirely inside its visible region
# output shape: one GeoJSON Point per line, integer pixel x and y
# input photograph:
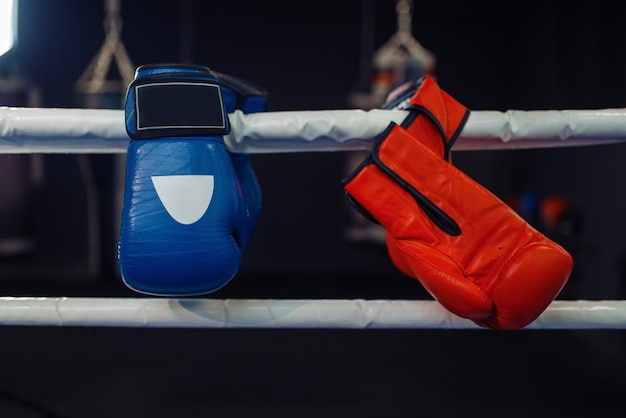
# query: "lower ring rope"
{"type": "Point", "coordinates": [285, 313]}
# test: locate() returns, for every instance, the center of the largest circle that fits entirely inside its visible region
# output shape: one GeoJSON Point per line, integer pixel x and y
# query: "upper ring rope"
{"type": "Point", "coordinates": [84, 131]}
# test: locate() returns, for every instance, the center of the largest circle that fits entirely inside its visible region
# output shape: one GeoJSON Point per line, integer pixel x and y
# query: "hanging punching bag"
{"type": "Point", "coordinates": [402, 58]}
{"type": "Point", "coordinates": [99, 87]}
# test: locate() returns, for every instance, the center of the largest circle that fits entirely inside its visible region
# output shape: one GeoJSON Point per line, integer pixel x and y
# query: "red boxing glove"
{"type": "Point", "coordinates": [436, 117]}
{"type": "Point", "coordinates": [468, 249]}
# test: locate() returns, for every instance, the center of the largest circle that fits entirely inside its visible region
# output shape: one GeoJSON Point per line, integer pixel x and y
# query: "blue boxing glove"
{"type": "Point", "coordinates": [182, 202]}
{"type": "Point", "coordinates": [242, 95]}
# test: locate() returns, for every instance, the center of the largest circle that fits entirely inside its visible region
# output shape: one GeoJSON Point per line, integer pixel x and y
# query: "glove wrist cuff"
{"type": "Point", "coordinates": [175, 101]}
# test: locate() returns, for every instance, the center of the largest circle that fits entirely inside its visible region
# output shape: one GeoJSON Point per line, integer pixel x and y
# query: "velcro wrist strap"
{"type": "Point", "coordinates": [175, 105]}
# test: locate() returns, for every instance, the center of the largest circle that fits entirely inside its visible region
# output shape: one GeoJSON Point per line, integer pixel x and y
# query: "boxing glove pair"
{"type": "Point", "coordinates": [468, 249]}
{"type": "Point", "coordinates": [190, 205]}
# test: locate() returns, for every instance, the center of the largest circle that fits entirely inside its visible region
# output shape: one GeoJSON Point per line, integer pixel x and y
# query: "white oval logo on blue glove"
{"type": "Point", "coordinates": [185, 197]}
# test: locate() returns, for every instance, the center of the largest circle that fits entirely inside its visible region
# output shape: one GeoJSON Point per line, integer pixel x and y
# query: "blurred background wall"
{"type": "Point", "coordinates": [316, 55]}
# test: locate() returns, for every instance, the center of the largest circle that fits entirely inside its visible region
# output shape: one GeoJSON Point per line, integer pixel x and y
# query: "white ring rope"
{"type": "Point", "coordinates": [285, 313]}
{"type": "Point", "coordinates": [65, 130]}
{"type": "Point", "coordinates": [82, 131]}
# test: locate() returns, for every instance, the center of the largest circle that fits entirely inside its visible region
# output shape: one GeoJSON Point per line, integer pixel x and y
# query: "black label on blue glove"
{"type": "Point", "coordinates": [179, 108]}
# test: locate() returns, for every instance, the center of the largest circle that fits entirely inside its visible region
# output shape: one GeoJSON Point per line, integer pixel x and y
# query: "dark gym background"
{"type": "Point", "coordinates": [528, 55]}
